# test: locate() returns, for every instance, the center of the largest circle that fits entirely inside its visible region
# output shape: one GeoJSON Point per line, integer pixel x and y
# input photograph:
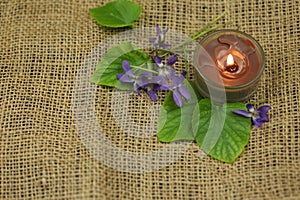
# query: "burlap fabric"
{"type": "Point", "coordinates": [43, 154]}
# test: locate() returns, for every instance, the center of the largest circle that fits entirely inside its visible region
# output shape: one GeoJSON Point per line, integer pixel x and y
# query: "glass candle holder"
{"type": "Point", "coordinates": [228, 65]}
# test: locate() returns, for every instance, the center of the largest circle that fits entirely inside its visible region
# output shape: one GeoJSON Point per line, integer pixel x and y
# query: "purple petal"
{"type": "Point", "coordinates": [250, 107]}
{"type": "Point", "coordinates": [262, 112]}
{"type": "Point", "coordinates": [242, 113]}
{"type": "Point", "coordinates": [177, 80]}
{"type": "Point", "coordinates": [263, 116]}
{"type": "Point", "coordinates": [152, 94]}
{"type": "Point", "coordinates": [161, 80]}
{"type": "Point", "coordinates": [126, 65]}
{"type": "Point", "coordinates": [152, 39]}
{"type": "Point", "coordinates": [136, 89]}
{"type": "Point", "coordinates": [172, 59]}
{"type": "Point", "coordinates": [263, 109]}
{"type": "Point", "coordinates": [158, 30]}
{"type": "Point", "coordinates": [155, 86]}
{"type": "Point", "coordinates": [183, 91]}
{"type": "Point", "coordinates": [165, 87]}
{"type": "Point", "coordinates": [146, 74]}
{"type": "Point", "coordinates": [124, 78]}
{"type": "Point", "coordinates": [119, 76]}
{"type": "Point", "coordinates": [158, 60]}
{"type": "Point", "coordinates": [257, 123]}
{"type": "Point", "coordinates": [164, 45]}
{"type": "Point", "coordinates": [126, 68]}
{"type": "Point", "coordinates": [177, 98]}
{"type": "Point", "coordinates": [183, 73]}
{"type": "Point", "coordinates": [172, 72]}
{"type": "Point", "coordinates": [143, 82]}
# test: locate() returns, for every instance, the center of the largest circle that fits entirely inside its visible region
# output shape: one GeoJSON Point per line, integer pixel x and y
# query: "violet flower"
{"type": "Point", "coordinates": [179, 91]}
{"type": "Point", "coordinates": [151, 90]}
{"type": "Point", "coordinates": [159, 41]}
{"type": "Point", "coordinates": [165, 79]}
{"type": "Point", "coordinates": [258, 116]}
{"type": "Point", "coordinates": [141, 80]}
{"type": "Point", "coordinates": [166, 70]}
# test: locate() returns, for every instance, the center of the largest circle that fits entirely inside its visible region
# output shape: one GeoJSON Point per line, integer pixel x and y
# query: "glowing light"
{"type": "Point", "coordinates": [230, 60]}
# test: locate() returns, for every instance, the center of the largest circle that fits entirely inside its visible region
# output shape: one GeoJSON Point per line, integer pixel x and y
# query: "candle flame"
{"type": "Point", "coordinates": [230, 60]}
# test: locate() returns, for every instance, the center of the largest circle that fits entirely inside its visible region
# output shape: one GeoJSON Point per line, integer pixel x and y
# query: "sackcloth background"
{"type": "Point", "coordinates": [42, 47]}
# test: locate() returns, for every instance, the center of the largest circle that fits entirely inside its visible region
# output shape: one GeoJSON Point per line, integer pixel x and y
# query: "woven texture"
{"type": "Point", "coordinates": [43, 154]}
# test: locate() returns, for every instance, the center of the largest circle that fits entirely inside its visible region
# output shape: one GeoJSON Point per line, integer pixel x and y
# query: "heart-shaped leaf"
{"type": "Point", "coordinates": [220, 133]}
{"type": "Point", "coordinates": [116, 14]}
{"type": "Point", "coordinates": [111, 65]}
{"type": "Point", "coordinates": [175, 123]}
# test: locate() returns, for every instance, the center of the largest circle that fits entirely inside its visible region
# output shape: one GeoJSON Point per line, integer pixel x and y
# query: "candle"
{"type": "Point", "coordinates": [228, 62]}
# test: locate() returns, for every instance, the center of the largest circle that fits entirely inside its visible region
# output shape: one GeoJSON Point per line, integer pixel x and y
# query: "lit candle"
{"type": "Point", "coordinates": [230, 62]}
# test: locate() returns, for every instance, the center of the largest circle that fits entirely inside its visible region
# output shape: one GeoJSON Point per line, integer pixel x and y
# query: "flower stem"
{"type": "Point", "coordinates": [202, 32]}
{"type": "Point", "coordinates": [198, 34]}
{"type": "Point", "coordinates": [185, 61]}
{"type": "Point", "coordinates": [208, 25]}
{"type": "Point", "coordinates": [144, 69]}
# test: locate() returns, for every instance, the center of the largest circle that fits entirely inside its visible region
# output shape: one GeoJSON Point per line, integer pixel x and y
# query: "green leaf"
{"type": "Point", "coordinates": [174, 123]}
{"type": "Point", "coordinates": [220, 133]}
{"type": "Point", "coordinates": [111, 65]}
{"type": "Point", "coordinates": [116, 14]}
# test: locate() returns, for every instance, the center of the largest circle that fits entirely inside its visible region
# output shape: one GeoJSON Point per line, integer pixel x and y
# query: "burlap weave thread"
{"type": "Point", "coordinates": [42, 47]}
